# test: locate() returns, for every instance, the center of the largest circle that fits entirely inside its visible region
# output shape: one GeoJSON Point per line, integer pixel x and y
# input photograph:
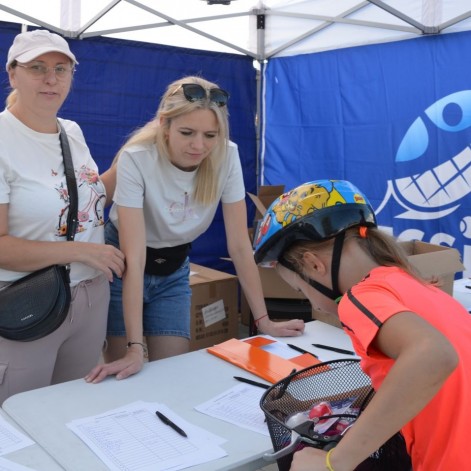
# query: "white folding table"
{"type": "Point", "coordinates": [180, 383]}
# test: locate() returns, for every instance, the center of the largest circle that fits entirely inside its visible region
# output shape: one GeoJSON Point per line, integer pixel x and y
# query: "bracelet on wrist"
{"type": "Point", "coordinates": [144, 348]}
{"type": "Point", "coordinates": [328, 464]}
{"type": "Point", "coordinates": [259, 319]}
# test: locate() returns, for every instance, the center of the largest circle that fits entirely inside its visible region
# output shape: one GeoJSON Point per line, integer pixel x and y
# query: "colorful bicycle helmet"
{"type": "Point", "coordinates": [317, 210]}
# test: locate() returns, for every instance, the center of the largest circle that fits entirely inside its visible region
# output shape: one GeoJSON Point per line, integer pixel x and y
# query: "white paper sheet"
{"type": "Point", "coordinates": [240, 406]}
{"type": "Point", "coordinates": [11, 439]}
{"type": "Point", "coordinates": [7, 465]}
{"type": "Point", "coordinates": [133, 438]}
{"type": "Point", "coordinates": [278, 348]}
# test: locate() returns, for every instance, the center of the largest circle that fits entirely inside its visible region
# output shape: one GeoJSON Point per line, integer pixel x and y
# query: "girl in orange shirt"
{"type": "Point", "coordinates": [413, 338]}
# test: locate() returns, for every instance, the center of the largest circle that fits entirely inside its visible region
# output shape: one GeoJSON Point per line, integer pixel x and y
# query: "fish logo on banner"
{"type": "Point", "coordinates": [433, 170]}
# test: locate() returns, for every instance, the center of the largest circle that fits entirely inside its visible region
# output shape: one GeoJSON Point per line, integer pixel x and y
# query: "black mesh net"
{"type": "Point", "coordinates": [338, 382]}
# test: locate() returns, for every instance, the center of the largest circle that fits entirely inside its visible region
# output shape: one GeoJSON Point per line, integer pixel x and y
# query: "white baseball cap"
{"type": "Point", "coordinates": [27, 46]}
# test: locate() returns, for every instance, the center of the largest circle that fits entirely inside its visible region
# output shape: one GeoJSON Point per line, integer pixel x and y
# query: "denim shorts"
{"type": "Point", "coordinates": [166, 300]}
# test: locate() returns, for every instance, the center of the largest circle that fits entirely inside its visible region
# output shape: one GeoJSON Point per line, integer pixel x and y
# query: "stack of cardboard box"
{"type": "Point", "coordinates": [214, 306]}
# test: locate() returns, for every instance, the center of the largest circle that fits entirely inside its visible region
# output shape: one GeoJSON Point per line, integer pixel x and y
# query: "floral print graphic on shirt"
{"type": "Point", "coordinates": [91, 196]}
{"type": "Point", "coordinates": [184, 210]}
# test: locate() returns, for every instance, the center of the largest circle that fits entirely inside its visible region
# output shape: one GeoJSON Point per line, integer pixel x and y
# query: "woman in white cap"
{"type": "Point", "coordinates": [33, 206]}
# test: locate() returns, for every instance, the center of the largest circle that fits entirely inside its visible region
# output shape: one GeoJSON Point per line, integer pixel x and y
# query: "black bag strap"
{"type": "Point", "coordinates": [71, 183]}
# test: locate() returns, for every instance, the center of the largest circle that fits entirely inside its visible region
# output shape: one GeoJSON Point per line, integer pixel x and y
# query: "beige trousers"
{"type": "Point", "coordinates": [68, 353]}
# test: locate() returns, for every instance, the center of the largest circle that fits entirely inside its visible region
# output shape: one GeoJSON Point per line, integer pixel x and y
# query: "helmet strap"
{"type": "Point", "coordinates": [333, 293]}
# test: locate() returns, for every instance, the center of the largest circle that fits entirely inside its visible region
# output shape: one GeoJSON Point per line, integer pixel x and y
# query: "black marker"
{"type": "Point", "coordinates": [250, 381]}
{"type": "Point", "coordinates": [333, 349]}
{"type": "Point", "coordinates": [301, 350]}
{"type": "Point", "coordinates": [168, 422]}
{"type": "Point", "coordinates": [284, 384]}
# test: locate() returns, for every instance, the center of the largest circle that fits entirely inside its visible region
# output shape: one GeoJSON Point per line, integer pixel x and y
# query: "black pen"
{"type": "Point", "coordinates": [252, 382]}
{"type": "Point", "coordinates": [333, 349]}
{"type": "Point", "coordinates": [301, 350]}
{"type": "Point", "coordinates": [168, 422]}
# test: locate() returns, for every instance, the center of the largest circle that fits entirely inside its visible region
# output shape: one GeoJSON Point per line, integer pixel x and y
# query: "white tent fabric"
{"type": "Point", "coordinates": [268, 28]}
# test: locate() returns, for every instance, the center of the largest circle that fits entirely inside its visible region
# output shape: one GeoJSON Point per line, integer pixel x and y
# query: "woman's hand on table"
{"type": "Point", "coordinates": [130, 364]}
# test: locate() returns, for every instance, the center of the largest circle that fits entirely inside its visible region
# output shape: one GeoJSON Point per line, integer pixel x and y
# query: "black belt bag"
{"type": "Point", "coordinates": [165, 261]}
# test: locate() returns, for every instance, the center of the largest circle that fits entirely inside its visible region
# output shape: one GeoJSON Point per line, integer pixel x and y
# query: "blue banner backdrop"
{"type": "Point", "coordinates": [394, 119]}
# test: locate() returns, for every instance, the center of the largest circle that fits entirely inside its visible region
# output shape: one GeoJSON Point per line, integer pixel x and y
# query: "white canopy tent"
{"type": "Point", "coordinates": [262, 30]}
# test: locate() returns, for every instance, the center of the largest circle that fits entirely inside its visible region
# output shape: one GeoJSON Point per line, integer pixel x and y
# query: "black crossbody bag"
{"type": "Point", "coordinates": [37, 304]}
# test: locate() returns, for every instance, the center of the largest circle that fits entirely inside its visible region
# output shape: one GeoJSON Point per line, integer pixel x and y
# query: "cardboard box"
{"type": "Point", "coordinates": [273, 286]}
{"type": "Point", "coordinates": [434, 262]}
{"type": "Point", "coordinates": [265, 196]}
{"type": "Point", "coordinates": [214, 307]}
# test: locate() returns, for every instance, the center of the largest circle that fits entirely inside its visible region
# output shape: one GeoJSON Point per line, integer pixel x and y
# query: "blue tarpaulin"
{"type": "Point", "coordinates": [394, 118]}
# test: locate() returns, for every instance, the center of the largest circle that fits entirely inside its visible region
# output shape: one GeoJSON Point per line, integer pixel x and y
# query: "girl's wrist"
{"type": "Point", "coordinates": [328, 463]}
{"type": "Point", "coordinates": [332, 462]}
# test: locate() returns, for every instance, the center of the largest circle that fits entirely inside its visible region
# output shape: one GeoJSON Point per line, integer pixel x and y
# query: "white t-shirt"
{"type": "Point", "coordinates": [149, 181]}
{"type": "Point", "coordinates": [32, 182]}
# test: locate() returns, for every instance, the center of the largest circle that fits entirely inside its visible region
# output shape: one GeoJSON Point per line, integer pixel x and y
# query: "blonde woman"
{"type": "Point", "coordinates": [172, 174]}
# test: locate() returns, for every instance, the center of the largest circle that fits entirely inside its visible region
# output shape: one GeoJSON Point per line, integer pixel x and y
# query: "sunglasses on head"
{"type": "Point", "coordinates": [194, 92]}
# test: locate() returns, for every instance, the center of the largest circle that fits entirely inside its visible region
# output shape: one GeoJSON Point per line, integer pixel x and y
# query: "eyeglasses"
{"type": "Point", "coordinates": [40, 71]}
{"type": "Point", "coordinates": [194, 92]}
